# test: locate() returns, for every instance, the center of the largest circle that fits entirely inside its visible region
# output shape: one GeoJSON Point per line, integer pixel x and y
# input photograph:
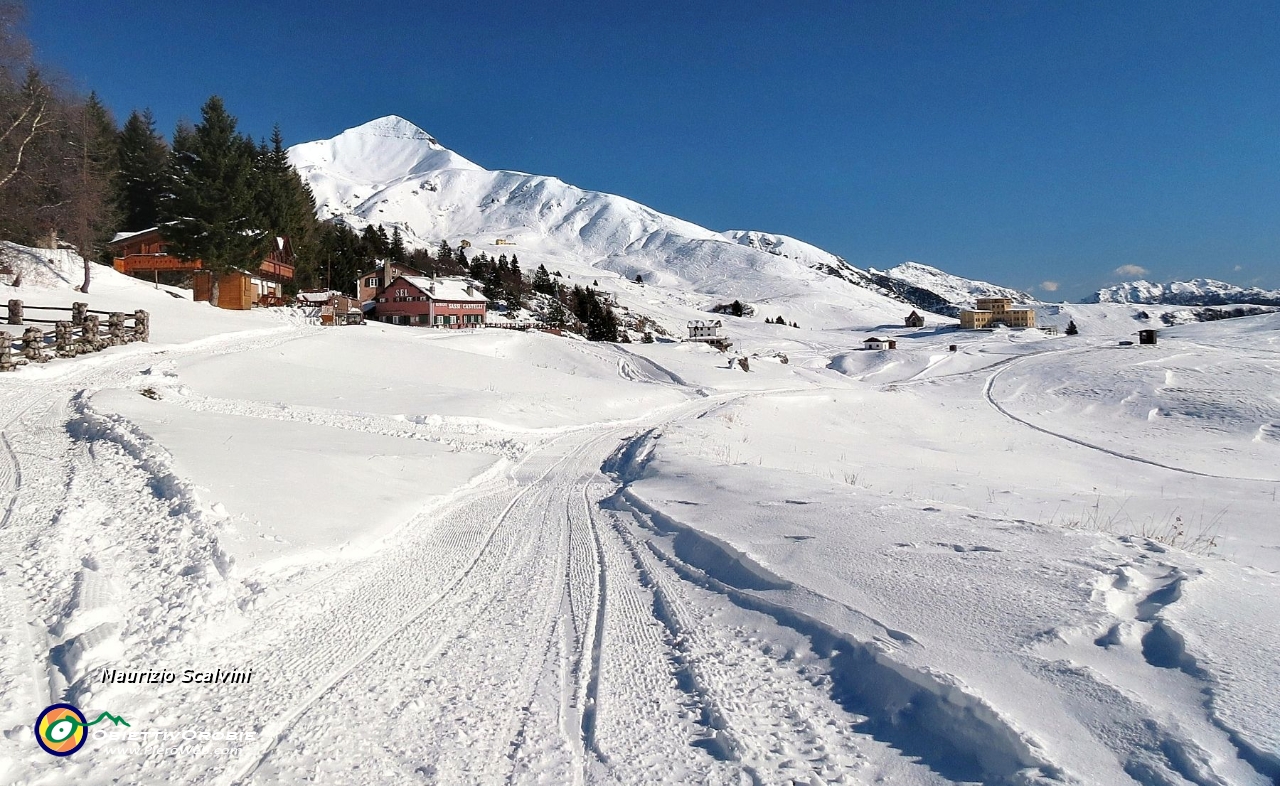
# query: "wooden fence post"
{"type": "Point", "coordinates": [78, 310]}
{"type": "Point", "coordinates": [6, 352]}
{"type": "Point", "coordinates": [15, 312]}
{"type": "Point", "coordinates": [115, 327]}
{"type": "Point", "coordinates": [64, 338]}
{"type": "Point", "coordinates": [33, 345]}
{"type": "Point", "coordinates": [89, 334]}
{"type": "Point", "coordinates": [141, 326]}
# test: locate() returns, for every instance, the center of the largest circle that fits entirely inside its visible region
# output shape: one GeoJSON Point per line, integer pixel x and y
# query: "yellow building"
{"type": "Point", "coordinates": [992, 311]}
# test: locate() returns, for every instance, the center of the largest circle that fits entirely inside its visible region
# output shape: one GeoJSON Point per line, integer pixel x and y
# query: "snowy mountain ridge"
{"type": "Point", "coordinates": [391, 172]}
{"type": "Point", "coordinates": [1196, 292]}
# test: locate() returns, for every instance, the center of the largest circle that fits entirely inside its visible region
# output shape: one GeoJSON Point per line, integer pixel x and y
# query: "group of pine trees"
{"type": "Point", "coordinates": [221, 197]}
{"type": "Point", "coordinates": [69, 175]}
{"type": "Point", "coordinates": [581, 309]}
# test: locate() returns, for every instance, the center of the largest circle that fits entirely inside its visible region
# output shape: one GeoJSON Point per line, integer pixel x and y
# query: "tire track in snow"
{"type": "Point", "coordinates": [282, 727]}
{"type": "Point", "coordinates": [988, 395]}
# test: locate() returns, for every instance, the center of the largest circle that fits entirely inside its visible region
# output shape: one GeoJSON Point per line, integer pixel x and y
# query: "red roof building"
{"type": "Point", "coordinates": [430, 302]}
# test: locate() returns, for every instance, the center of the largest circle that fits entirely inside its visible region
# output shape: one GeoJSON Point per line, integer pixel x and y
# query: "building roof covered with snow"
{"type": "Point", "coordinates": [454, 289]}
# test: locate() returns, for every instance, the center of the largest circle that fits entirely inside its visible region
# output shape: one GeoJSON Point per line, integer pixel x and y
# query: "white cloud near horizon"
{"type": "Point", "coordinates": [1131, 270]}
{"type": "Point", "coordinates": [1049, 286]}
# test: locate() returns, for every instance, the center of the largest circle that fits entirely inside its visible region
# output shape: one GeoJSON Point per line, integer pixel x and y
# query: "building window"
{"type": "Point", "coordinates": [423, 319]}
{"type": "Point", "coordinates": [371, 281]}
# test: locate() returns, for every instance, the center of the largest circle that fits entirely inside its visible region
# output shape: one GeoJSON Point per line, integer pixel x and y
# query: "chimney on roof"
{"type": "Point", "coordinates": [470, 289]}
{"type": "Point", "coordinates": [386, 273]}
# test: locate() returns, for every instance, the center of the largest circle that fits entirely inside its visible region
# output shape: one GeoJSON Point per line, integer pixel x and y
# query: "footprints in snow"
{"type": "Point", "coordinates": [1135, 593]}
{"type": "Point", "coordinates": [959, 548]}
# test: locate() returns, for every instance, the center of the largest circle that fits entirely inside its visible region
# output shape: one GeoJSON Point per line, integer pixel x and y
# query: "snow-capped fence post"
{"type": "Point", "coordinates": [89, 334]}
{"type": "Point", "coordinates": [33, 345]}
{"type": "Point", "coordinates": [6, 352]}
{"type": "Point", "coordinates": [78, 311]}
{"type": "Point", "coordinates": [141, 326]}
{"type": "Point", "coordinates": [64, 340]}
{"type": "Point", "coordinates": [115, 327]}
{"type": "Point", "coordinates": [15, 312]}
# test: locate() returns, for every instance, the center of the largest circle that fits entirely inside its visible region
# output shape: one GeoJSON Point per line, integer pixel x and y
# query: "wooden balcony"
{"type": "Point", "coordinates": [276, 270]}
{"type": "Point", "coordinates": [151, 263]}
{"type": "Point", "coordinates": [134, 264]}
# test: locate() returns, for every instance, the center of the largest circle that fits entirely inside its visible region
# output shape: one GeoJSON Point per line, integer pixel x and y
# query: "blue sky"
{"type": "Point", "coordinates": [1020, 142]}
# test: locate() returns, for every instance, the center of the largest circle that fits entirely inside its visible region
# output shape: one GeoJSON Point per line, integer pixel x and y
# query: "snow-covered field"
{"type": "Point", "coordinates": [502, 557]}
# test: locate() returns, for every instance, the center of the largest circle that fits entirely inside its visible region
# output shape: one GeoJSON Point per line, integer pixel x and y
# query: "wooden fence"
{"type": "Point", "coordinates": [82, 333]}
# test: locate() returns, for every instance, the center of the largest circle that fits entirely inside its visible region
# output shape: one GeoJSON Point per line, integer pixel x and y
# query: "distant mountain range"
{"type": "Point", "coordinates": [390, 172]}
{"type": "Point", "coordinates": [1196, 292]}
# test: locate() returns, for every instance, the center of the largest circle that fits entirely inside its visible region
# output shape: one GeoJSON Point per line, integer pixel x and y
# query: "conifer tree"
{"type": "Point", "coordinates": [213, 209]}
{"type": "Point", "coordinates": [143, 177]}
{"type": "Point", "coordinates": [285, 202]}
{"type": "Point", "coordinates": [542, 281]}
{"type": "Point", "coordinates": [286, 207]}
{"type": "Point", "coordinates": [375, 245]}
{"type": "Point", "coordinates": [396, 250]}
{"type": "Point", "coordinates": [515, 284]}
{"type": "Point", "coordinates": [556, 315]}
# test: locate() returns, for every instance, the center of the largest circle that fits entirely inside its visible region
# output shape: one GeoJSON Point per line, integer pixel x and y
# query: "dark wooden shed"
{"type": "Point", "coordinates": [1146, 336]}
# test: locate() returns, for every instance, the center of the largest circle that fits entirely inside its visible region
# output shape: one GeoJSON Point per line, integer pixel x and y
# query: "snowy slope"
{"type": "Point", "coordinates": [1196, 292]}
{"type": "Point", "coordinates": [475, 557]}
{"type": "Point", "coordinates": [390, 172]}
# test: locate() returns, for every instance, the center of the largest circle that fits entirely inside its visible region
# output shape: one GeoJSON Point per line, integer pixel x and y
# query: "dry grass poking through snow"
{"type": "Point", "coordinates": [1199, 534]}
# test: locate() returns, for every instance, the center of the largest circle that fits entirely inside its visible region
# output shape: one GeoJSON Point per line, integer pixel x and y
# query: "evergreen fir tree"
{"type": "Point", "coordinates": [213, 207]}
{"type": "Point", "coordinates": [396, 250]}
{"type": "Point", "coordinates": [515, 284]}
{"type": "Point", "coordinates": [542, 281]}
{"type": "Point", "coordinates": [340, 256]}
{"type": "Point", "coordinates": [143, 175]}
{"type": "Point", "coordinates": [375, 244]}
{"type": "Point", "coordinates": [287, 208]}
{"type": "Point", "coordinates": [639, 278]}
{"type": "Point", "coordinates": [556, 315]}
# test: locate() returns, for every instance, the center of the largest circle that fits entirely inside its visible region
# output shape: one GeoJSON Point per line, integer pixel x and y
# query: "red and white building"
{"type": "Point", "coordinates": [369, 282]}
{"type": "Point", "coordinates": [431, 302]}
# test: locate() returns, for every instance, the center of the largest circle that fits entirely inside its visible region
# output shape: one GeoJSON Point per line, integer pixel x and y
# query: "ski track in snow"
{"type": "Point", "coordinates": [989, 395]}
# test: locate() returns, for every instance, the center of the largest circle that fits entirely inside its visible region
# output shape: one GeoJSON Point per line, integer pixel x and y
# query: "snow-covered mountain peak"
{"type": "Point", "coordinates": [394, 127]}
{"type": "Point", "coordinates": [372, 156]}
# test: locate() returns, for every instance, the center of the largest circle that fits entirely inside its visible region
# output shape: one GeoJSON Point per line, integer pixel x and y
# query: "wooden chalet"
{"type": "Point", "coordinates": [145, 254]}
{"type": "Point", "coordinates": [914, 320]}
